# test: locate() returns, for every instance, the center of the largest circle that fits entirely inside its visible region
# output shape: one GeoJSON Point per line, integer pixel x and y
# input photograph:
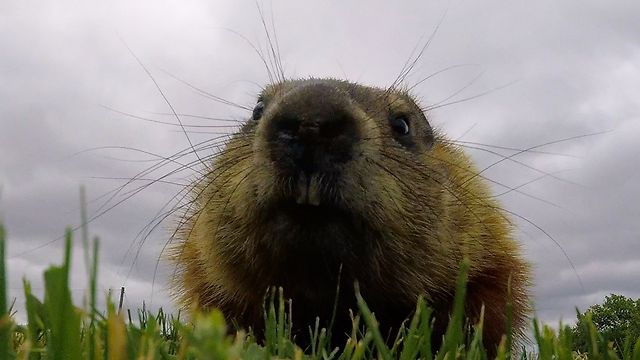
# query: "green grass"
{"type": "Point", "coordinates": [57, 329]}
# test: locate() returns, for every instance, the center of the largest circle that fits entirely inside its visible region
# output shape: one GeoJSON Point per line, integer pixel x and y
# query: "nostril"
{"type": "Point", "coordinates": [305, 118]}
{"type": "Point", "coordinates": [287, 127]}
{"type": "Point", "coordinates": [334, 127]}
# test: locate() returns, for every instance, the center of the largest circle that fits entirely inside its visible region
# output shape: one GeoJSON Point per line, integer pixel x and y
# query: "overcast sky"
{"type": "Point", "coordinates": [73, 99]}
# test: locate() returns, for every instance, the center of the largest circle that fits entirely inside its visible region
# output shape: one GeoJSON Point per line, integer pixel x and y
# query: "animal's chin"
{"type": "Point", "coordinates": [326, 230]}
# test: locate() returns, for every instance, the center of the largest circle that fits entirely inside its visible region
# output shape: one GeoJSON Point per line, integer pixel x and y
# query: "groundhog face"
{"type": "Point", "coordinates": [333, 159]}
{"type": "Point", "coordinates": [316, 136]}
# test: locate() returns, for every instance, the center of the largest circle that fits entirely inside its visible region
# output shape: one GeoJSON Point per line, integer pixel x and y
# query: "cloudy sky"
{"type": "Point", "coordinates": [77, 108]}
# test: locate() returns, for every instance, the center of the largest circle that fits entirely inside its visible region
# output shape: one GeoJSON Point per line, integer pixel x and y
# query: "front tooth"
{"type": "Point", "coordinates": [313, 191]}
{"type": "Point", "coordinates": [303, 189]}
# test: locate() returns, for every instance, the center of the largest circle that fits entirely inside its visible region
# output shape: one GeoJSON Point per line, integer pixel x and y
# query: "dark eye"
{"type": "Point", "coordinates": [257, 111]}
{"type": "Point", "coordinates": [400, 125]}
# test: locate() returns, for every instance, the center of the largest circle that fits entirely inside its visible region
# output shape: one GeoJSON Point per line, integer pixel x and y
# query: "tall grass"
{"type": "Point", "coordinates": [56, 329]}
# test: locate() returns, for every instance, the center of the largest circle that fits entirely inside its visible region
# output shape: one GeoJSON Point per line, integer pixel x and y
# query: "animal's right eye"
{"type": "Point", "coordinates": [257, 111]}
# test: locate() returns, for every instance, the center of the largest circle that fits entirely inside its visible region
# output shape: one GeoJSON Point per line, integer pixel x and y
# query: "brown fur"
{"type": "Point", "coordinates": [397, 215]}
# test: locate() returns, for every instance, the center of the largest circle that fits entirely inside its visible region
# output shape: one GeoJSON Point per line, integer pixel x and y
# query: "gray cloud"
{"type": "Point", "coordinates": [570, 69]}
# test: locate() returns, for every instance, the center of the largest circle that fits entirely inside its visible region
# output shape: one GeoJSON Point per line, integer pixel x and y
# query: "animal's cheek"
{"type": "Point", "coordinates": [369, 190]}
{"type": "Point", "coordinates": [259, 187]}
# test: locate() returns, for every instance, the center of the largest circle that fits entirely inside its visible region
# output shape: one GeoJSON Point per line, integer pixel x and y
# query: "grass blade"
{"type": "Point", "coordinates": [63, 317]}
{"type": "Point", "coordinates": [372, 327]}
{"type": "Point", "coordinates": [6, 324]}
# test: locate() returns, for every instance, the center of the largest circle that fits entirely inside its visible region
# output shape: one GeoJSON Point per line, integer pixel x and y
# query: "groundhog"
{"type": "Point", "coordinates": [329, 183]}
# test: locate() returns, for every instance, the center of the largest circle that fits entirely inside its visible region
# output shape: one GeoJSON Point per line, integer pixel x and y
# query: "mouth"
{"type": "Point", "coordinates": [314, 215]}
{"type": "Point", "coordinates": [311, 188]}
{"type": "Point", "coordinates": [315, 225]}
